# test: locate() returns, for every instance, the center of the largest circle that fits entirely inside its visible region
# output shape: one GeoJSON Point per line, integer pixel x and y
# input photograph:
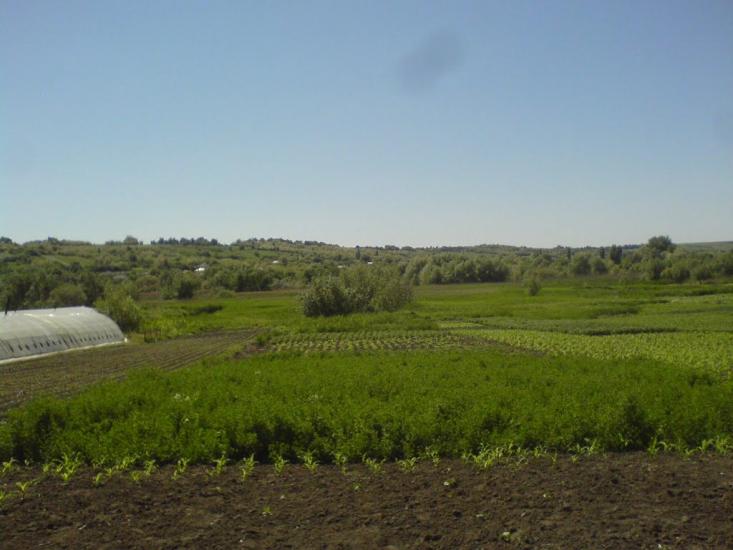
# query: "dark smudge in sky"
{"type": "Point", "coordinates": [437, 55]}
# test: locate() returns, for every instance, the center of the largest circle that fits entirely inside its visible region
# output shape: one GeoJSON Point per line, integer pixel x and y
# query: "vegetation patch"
{"type": "Point", "coordinates": [381, 405]}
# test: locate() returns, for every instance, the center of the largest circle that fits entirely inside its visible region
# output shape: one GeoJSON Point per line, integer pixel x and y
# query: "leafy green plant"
{"type": "Point", "coordinates": [340, 459]}
{"type": "Point", "coordinates": [23, 487]}
{"type": "Point", "coordinates": [149, 467]}
{"type": "Point", "coordinates": [219, 465]}
{"type": "Point", "coordinates": [180, 467]}
{"type": "Point", "coordinates": [279, 463]}
{"type": "Point", "coordinates": [247, 467]}
{"type": "Point", "coordinates": [373, 465]}
{"type": "Point", "coordinates": [99, 479]}
{"type": "Point", "coordinates": [67, 466]}
{"type": "Point", "coordinates": [431, 454]}
{"type": "Point", "coordinates": [310, 462]}
{"type": "Point", "coordinates": [407, 464]}
{"type": "Point", "coordinates": [8, 466]}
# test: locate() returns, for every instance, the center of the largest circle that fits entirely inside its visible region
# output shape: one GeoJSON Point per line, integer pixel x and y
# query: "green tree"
{"type": "Point", "coordinates": [660, 244]}
{"type": "Point", "coordinates": [580, 265]}
{"type": "Point", "coordinates": [66, 295]}
{"type": "Point", "coordinates": [121, 308]}
{"type": "Point", "coordinates": [615, 253]}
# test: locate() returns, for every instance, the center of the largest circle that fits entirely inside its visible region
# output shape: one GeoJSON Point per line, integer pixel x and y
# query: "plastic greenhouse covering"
{"type": "Point", "coordinates": [39, 331]}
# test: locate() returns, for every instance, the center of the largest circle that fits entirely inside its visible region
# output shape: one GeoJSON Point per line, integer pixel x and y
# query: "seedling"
{"type": "Point", "coordinates": [374, 465]}
{"type": "Point", "coordinates": [23, 487]}
{"type": "Point", "coordinates": [247, 467]}
{"type": "Point", "coordinates": [218, 468]}
{"type": "Point", "coordinates": [150, 467]}
{"type": "Point", "coordinates": [310, 462]}
{"type": "Point", "coordinates": [67, 466]}
{"type": "Point", "coordinates": [8, 466]}
{"type": "Point", "coordinates": [722, 444]}
{"type": "Point", "coordinates": [654, 447]}
{"type": "Point", "coordinates": [407, 464]}
{"type": "Point", "coordinates": [266, 511]}
{"type": "Point", "coordinates": [125, 463]}
{"type": "Point", "coordinates": [432, 455]}
{"type": "Point", "coordinates": [279, 463]}
{"type": "Point", "coordinates": [340, 460]}
{"type": "Point", "coordinates": [98, 479]}
{"type": "Point", "coordinates": [180, 468]}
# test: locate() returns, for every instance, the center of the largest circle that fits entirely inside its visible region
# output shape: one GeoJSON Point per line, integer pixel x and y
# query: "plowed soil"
{"type": "Point", "coordinates": [614, 501]}
{"type": "Point", "coordinates": [64, 374]}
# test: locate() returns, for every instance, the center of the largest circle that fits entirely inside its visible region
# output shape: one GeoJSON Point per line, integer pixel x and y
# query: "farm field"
{"type": "Point", "coordinates": [623, 388]}
{"type": "Point", "coordinates": [625, 500]}
{"type": "Point", "coordinates": [64, 374]}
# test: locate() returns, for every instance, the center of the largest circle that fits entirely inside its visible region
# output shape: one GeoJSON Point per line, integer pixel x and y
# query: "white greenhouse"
{"type": "Point", "coordinates": [39, 331]}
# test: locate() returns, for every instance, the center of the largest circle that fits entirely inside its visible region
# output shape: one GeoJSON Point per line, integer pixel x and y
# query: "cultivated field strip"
{"type": "Point", "coordinates": [65, 374]}
{"type": "Point", "coordinates": [373, 341]}
{"type": "Point", "coordinates": [712, 350]}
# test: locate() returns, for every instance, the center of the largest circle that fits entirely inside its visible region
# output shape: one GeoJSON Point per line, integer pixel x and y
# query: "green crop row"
{"type": "Point", "coordinates": [369, 341]}
{"type": "Point", "coordinates": [384, 405]}
{"type": "Point", "coordinates": [691, 349]}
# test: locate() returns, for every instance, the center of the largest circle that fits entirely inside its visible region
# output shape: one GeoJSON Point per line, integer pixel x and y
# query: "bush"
{"type": "Point", "coordinates": [66, 295]}
{"type": "Point", "coordinates": [121, 308]}
{"type": "Point", "coordinates": [599, 266]}
{"type": "Point", "coordinates": [182, 286]}
{"type": "Point", "coordinates": [580, 265]}
{"type": "Point", "coordinates": [533, 286]}
{"type": "Point", "coordinates": [359, 289]}
{"type": "Point", "coordinates": [676, 273]}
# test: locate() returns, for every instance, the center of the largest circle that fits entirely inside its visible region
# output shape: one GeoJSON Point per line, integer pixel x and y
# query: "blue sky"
{"type": "Point", "coordinates": [420, 123]}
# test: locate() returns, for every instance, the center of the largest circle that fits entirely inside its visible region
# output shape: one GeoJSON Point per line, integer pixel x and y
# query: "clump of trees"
{"type": "Point", "coordinates": [362, 288]}
{"type": "Point", "coordinates": [120, 306]}
{"type": "Point", "coordinates": [452, 268]}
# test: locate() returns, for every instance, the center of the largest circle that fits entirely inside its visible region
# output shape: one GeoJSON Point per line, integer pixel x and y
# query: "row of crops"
{"type": "Point", "coordinates": [365, 341]}
{"type": "Point", "coordinates": [711, 350]}
{"type": "Point", "coordinates": [383, 405]}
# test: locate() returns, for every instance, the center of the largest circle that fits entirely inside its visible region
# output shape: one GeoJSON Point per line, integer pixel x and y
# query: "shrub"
{"type": "Point", "coordinates": [676, 273]}
{"type": "Point", "coordinates": [186, 285]}
{"type": "Point", "coordinates": [66, 295]}
{"type": "Point", "coordinates": [533, 286]}
{"type": "Point", "coordinates": [359, 289]}
{"type": "Point", "coordinates": [599, 266]}
{"type": "Point", "coordinates": [580, 265]}
{"type": "Point", "coordinates": [121, 308]}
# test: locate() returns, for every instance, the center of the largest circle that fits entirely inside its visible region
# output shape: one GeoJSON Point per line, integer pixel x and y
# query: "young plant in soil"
{"type": "Point", "coordinates": [310, 462]}
{"type": "Point", "coordinates": [180, 468]}
{"type": "Point", "coordinates": [407, 465]}
{"type": "Point", "coordinates": [247, 467]}
{"type": "Point", "coordinates": [340, 459]}
{"type": "Point", "coordinates": [374, 465]}
{"type": "Point", "coordinates": [279, 463]}
{"type": "Point", "coordinates": [218, 468]}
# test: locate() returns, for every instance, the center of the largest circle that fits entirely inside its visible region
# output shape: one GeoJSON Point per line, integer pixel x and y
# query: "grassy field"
{"type": "Point", "coordinates": [464, 369]}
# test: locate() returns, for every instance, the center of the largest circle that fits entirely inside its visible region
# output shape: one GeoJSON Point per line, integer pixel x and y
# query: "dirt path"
{"type": "Point", "coordinates": [67, 373]}
{"type": "Point", "coordinates": [616, 501]}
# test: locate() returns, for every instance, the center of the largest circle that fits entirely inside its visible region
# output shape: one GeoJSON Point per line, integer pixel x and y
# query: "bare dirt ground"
{"type": "Point", "coordinates": [64, 374]}
{"type": "Point", "coordinates": [614, 501]}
